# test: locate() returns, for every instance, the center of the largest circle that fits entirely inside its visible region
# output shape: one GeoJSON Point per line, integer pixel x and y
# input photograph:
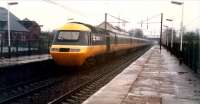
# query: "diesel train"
{"type": "Point", "coordinates": [75, 43]}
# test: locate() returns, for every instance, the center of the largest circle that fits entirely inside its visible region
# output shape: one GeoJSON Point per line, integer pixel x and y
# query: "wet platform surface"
{"type": "Point", "coordinates": [5, 62]}
{"type": "Point", "coordinates": [154, 78]}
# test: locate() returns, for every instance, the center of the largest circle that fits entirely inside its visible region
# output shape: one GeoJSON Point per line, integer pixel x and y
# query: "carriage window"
{"type": "Point", "coordinates": [98, 39]}
{"type": "Point", "coordinates": [66, 35]}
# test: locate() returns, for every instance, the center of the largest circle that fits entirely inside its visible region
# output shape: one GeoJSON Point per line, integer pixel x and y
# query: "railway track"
{"type": "Point", "coordinates": [83, 91]}
{"type": "Point", "coordinates": [73, 88]}
{"type": "Point", "coordinates": [9, 94]}
{"type": "Point", "coordinates": [25, 80]}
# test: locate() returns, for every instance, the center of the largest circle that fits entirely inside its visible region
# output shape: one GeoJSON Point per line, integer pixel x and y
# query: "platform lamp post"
{"type": "Point", "coordinates": [181, 28]}
{"type": "Point", "coordinates": [171, 20]}
{"type": "Point", "coordinates": [9, 45]}
{"type": "Point", "coordinates": [166, 36]}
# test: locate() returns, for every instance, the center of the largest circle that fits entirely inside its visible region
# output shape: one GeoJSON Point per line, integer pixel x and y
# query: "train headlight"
{"type": "Point", "coordinates": [55, 49]}
{"type": "Point", "coordinates": [74, 50]}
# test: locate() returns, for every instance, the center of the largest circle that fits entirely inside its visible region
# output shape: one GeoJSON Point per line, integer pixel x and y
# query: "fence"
{"type": "Point", "coordinates": [26, 47]}
{"type": "Point", "coordinates": [190, 53]}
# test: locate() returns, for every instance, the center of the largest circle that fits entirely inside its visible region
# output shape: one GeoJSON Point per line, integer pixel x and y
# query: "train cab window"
{"type": "Point", "coordinates": [66, 35]}
{"type": "Point", "coordinates": [71, 38]}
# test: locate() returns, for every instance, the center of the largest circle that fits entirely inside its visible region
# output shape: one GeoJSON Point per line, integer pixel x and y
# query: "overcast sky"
{"type": "Point", "coordinates": [52, 16]}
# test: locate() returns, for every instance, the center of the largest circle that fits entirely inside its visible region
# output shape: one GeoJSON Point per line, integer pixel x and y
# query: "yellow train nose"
{"type": "Point", "coordinates": [68, 55]}
{"type": "Point", "coordinates": [68, 58]}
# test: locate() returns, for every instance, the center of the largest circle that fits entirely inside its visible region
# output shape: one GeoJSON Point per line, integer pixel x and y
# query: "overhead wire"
{"type": "Point", "coordinates": [66, 8]}
{"type": "Point", "coordinates": [154, 16]}
{"type": "Point", "coordinates": [118, 18]}
{"type": "Point", "coordinates": [70, 9]}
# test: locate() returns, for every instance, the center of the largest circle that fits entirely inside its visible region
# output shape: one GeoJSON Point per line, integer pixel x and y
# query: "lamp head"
{"type": "Point", "coordinates": [169, 19]}
{"type": "Point", "coordinates": [12, 3]}
{"type": "Point", "coordinates": [177, 3]}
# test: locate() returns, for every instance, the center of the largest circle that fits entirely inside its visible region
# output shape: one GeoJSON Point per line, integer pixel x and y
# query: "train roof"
{"type": "Point", "coordinates": [75, 26]}
{"type": "Point", "coordinates": [87, 27]}
{"type": "Point", "coordinates": [95, 29]}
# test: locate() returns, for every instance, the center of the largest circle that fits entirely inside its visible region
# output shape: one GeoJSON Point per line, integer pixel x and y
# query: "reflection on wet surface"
{"type": "Point", "coordinates": [164, 81]}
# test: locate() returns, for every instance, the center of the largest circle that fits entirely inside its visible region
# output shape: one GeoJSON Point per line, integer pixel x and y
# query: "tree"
{"type": "Point", "coordinates": [136, 33]}
{"type": "Point", "coordinates": [167, 35]}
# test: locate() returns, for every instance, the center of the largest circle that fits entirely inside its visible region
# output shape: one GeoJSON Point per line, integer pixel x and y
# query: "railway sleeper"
{"type": "Point", "coordinates": [64, 103]}
{"type": "Point", "coordinates": [82, 92]}
{"type": "Point", "coordinates": [86, 90]}
{"type": "Point", "coordinates": [81, 98]}
{"type": "Point", "coordinates": [71, 101]}
{"type": "Point", "coordinates": [74, 97]}
{"type": "Point", "coordinates": [90, 87]}
{"type": "Point", "coordinates": [79, 94]}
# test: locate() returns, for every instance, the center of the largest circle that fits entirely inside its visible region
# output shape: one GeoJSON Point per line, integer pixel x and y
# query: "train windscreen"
{"type": "Point", "coordinates": [70, 38]}
{"type": "Point", "coordinates": [67, 35]}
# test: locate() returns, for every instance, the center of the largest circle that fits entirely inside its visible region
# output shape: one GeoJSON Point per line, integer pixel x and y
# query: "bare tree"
{"type": "Point", "coordinates": [136, 33]}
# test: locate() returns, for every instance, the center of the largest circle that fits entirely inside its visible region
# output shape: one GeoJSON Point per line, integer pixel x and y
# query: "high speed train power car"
{"type": "Point", "coordinates": [76, 42]}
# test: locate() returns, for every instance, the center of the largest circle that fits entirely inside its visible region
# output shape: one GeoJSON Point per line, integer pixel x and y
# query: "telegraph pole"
{"type": "Point", "coordinates": [107, 35]}
{"type": "Point", "coordinates": [106, 21]}
{"type": "Point", "coordinates": [161, 22]}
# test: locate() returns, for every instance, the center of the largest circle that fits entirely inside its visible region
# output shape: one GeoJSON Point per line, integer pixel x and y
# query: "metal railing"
{"type": "Point", "coordinates": [190, 55]}
{"type": "Point", "coordinates": [24, 47]}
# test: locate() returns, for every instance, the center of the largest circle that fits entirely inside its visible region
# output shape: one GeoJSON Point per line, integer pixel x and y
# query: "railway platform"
{"type": "Point", "coordinates": [154, 78]}
{"type": "Point", "coordinates": [6, 62]}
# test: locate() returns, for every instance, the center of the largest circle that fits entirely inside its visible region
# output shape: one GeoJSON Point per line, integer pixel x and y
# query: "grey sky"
{"type": "Point", "coordinates": [92, 11]}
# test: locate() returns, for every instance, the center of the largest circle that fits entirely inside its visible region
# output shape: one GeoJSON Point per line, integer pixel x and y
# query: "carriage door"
{"type": "Point", "coordinates": [89, 38]}
{"type": "Point", "coordinates": [107, 41]}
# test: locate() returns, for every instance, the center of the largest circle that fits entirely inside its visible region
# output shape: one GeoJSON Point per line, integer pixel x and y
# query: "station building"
{"type": "Point", "coordinates": [112, 28]}
{"type": "Point", "coordinates": [20, 30]}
